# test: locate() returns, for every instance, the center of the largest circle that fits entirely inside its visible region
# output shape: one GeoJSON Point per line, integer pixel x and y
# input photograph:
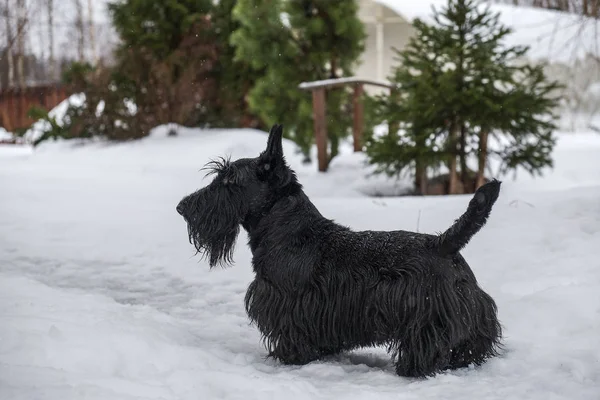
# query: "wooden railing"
{"type": "Point", "coordinates": [318, 89]}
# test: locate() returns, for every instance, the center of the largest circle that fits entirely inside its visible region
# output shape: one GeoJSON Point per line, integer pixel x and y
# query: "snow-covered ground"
{"type": "Point", "coordinates": [4, 134]}
{"type": "Point", "coordinates": [101, 296]}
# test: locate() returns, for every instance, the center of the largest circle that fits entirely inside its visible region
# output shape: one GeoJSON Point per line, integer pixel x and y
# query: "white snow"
{"type": "Point", "coordinates": [59, 112]}
{"type": "Point", "coordinates": [101, 296]}
{"type": "Point", "coordinates": [341, 81]}
{"type": "Point", "coordinates": [4, 134]}
{"type": "Point", "coordinates": [553, 36]}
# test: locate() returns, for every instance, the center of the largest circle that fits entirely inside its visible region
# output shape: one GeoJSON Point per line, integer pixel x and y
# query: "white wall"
{"type": "Point", "coordinates": [395, 34]}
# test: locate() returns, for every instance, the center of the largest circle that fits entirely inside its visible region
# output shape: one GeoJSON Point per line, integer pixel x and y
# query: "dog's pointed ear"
{"type": "Point", "coordinates": [274, 149]}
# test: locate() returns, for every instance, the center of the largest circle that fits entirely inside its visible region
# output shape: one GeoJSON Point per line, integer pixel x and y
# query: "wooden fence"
{"type": "Point", "coordinates": [15, 103]}
{"type": "Point", "coordinates": [318, 89]}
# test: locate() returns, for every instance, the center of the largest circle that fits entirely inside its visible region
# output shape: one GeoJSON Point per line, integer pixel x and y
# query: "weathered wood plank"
{"type": "Point", "coordinates": [320, 127]}
{"type": "Point", "coordinates": [358, 117]}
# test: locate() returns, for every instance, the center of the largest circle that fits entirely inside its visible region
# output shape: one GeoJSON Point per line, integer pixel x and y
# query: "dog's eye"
{"type": "Point", "coordinates": [263, 171]}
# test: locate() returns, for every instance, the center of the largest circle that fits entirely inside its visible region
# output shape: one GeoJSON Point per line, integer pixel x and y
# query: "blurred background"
{"type": "Point", "coordinates": [528, 68]}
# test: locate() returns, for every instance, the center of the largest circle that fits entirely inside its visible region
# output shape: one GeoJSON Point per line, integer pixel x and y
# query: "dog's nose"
{"type": "Point", "coordinates": [180, 207]}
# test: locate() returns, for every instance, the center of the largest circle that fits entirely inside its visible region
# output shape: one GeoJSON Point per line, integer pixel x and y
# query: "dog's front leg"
{"type": "Point", "coordinates": [272, 311]}
{"type": "Point", "coordinates": [294, 352]}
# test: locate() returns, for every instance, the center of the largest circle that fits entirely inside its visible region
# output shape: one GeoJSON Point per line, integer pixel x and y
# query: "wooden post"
{"type": "Point", "coordinates": [319, 111]}
{"type": "Point", "coordinates": [23, 120]}
{"type": "Point", "coordinates": [320, 127]}
{"type": "Point", "coordinates": [8, 111]}
{"type": "Point", "coordinates": [358, 117]}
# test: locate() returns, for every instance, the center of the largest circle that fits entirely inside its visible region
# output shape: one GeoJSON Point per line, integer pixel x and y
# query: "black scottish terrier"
{"type": "Point", "coordinates": [321, 288]}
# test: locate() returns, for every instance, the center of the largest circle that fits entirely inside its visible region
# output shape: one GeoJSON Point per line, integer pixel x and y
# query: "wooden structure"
{"type": "Point", "coordinates": [15, 103]}
{"type": "Point", "coordinates": [318, 89]}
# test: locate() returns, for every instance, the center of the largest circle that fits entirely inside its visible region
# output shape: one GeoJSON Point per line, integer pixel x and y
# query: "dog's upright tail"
{"type": "Point", "coordinates": [464, 228]}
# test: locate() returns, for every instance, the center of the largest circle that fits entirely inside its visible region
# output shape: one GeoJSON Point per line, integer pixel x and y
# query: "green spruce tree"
{"type": "Point", "coordinates": [158, 27]}
{"type": "Point", "coordinates": [235, 77]}
{"type": "Point", "coordinates": [290, 42]}
{"type": "Point", "coordinates": [459, 84]}
{"type": "Point", "coordinates": [415, 114]}
{"type": "Point", "coordinates": [165, 59]}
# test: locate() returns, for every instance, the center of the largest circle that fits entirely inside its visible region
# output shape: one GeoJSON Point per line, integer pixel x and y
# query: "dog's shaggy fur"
{"type": "Point", "coordinates": [321, 288]}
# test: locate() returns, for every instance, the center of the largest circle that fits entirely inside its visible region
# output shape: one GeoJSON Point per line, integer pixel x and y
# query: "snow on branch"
{"type": "Point", "coordinates": [344, 81]}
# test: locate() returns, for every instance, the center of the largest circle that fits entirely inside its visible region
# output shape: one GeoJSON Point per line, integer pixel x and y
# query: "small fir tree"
{"type": "Point", "coordinates": [158, 27]}
{"type": "Point", "coordinates": [290, 42]}
{"type": "Point", "coordinates": [166, 58]}
{"type": "Point", "coordinates": [413, 111]}
{"type": "Point", "coordinates": [458, 84]}
{"type": "Point", "coordinates": [235, 77]}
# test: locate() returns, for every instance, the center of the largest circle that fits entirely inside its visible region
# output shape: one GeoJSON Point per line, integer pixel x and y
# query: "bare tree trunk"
{"type": "Point", "coordinates": [37, 72]}
{"type": "Point", "coordinates": [9, 57]}
{"type": "Point", "coordinates": [483, 139]}
{"type": "Point", "coordinates": [92, 32]}
{"type": "Point", "coordinates": [464, 173]}
{"type": "Point", "coordinates": [452, 161]}
{"type": "Point", "coordinates": [420, 169]}
{"type": "Point", "coordinates": [21, 22]}
{"type": "Point", "coordinates": [393, 125]}
{"type": "Point", "coordinates": [51, 60]}
{"type": "Point", "coordinates": [424, 182]}
{"type": "Point", "coordinates": [594, 9]}
{"type": "Point", "coordinates": [420, 178]}
{"type": "Point", "coordinates": [79, 26]}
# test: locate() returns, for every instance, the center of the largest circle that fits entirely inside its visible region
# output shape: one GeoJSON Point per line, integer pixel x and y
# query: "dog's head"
{"type": "Point", "coordinates": [241, 193]}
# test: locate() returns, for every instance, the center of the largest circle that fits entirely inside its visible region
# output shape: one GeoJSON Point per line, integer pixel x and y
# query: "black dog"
{"type": "Point", "coordinates": [321, 288]}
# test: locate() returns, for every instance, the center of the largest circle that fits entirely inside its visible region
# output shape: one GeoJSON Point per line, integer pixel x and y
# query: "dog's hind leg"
{"type": "Point", "coordinates": [422, 355]}
{"type": "Point", "coordinates": [474, 351]}
{"type": "Point", "coordinates": [482, 334]}
{"type": "Point", "coordinates": [411, 364]}
{"type": "Point", "coordinates": [478, 348]}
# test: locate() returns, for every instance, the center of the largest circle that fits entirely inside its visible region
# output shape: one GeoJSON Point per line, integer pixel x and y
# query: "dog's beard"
{"type": "Point", "coordinates": [216, 243]}
{"type": "Point", "coordinates": [214, 234]}
{"type": "Point", "coordinates": [216, 247]}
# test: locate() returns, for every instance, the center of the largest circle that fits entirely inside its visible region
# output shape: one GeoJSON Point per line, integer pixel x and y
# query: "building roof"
{"type": "Point", "coordinates": [551, 35]}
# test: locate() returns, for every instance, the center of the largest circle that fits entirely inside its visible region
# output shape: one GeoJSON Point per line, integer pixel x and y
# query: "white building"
{"type": "Point", "coordinates": [568, 42]}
